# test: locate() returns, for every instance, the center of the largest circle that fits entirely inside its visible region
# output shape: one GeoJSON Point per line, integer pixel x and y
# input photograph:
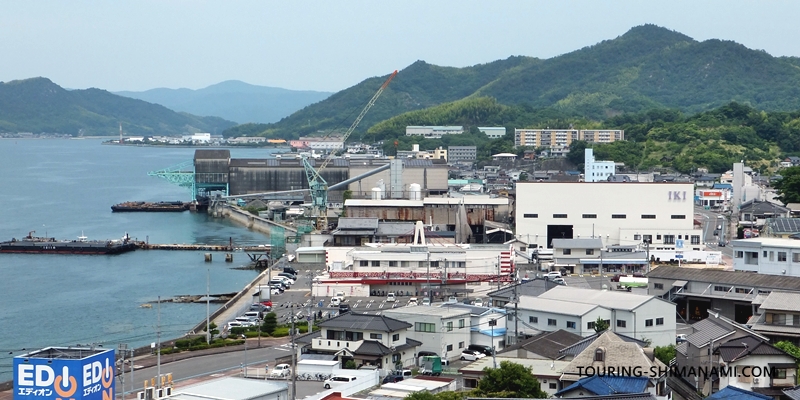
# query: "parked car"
{"type": "Point", "coordinates": [290, 270]}
{"type": "Point", "coordinates": [234, 324]}
{"type": "Point", "coordinates": [470, 355]}
{"type": "Point", "coordinates": [277, 286]}
{"type": "Point", "coordinates": [390, 297]}
{"type": "Point", "coordinates": [335, 301]}
{"type": "Point", "coordinates": [261, 307]}
{"type": "Point", "coordinates": [344, 308]}
{"type": "Point", "coordinates": [426, 301]}
{"type": "Point", "coordinates": [245, 321]}
{"type": "Point", "coordinates": [487, 350]}
{"type": "Point", "coordinates": [291, 277]}
{"type": "Point", "coordinates": [680, 338]}
{"type": "Point", "coordinates": [397, 376]}
{"type": "Point", "coordinates": [337, 380]}
{"type": "Point", "coordinates": [478, 302]}
{"type": "Point", "coordinates": [281, 371]}
{"type": "Point", "coordinates": [413, 301]}
{"type": "Point", "coordinates": [560, 281]}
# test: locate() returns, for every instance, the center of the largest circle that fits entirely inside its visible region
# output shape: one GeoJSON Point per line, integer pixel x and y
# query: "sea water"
{"type": "Point", "coordinates": [64, 188]}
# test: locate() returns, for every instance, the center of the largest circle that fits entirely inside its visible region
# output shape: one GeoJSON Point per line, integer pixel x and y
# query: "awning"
{"type": "Point", "coordinates": [496, 332]}
{"type": "Point", "coordinates": [612, 261]}
{"type": "Point", "coordinates": [679, 283]}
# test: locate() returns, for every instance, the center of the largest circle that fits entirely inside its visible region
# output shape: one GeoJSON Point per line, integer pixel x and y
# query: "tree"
{"type": "Point", "coordinates": [790, 348]}
{"type": "Point", "coordinates": [510, 380]}
{"type": "Point", "coordinates": [270, 323]}
{"type": "Point", "coordinates": [665, 353]}
{"type": "Point", "coordinates": [421, 395]}
{"type": "Point", "coordinates": [600, 325]}
{"type": "Point", "coordinates": [212, 329]}
{"type": "Point", "coordinates": [789, 185]}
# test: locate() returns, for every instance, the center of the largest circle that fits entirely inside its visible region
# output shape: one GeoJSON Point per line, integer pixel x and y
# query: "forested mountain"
{"type": "Point", "coordinates": [233, 100]}
{"type": "Point", "coordinates": [40, 106]}
{"type": "Point", "coordinates": [648, 67]}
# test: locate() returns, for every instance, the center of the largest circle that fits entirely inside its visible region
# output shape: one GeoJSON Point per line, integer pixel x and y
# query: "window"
{"type": "Point", "coordinates": [377, 336]}
{"type": "Point", "coordinates": [637, 237]}
{"type": "Point", "coordinates": [461, 323]}
{"type": "Point", "coordinates": [395, 359]}
{"type": "Point", "coordinates": [449, 326]}
{"type": "Point", "coordinates": [424, 327]}
{"type": "Point", "coordinates": [658, 237]}
{"type": "Point", "coordinates": [771, 255]}
{"type": "Point", "coordinates": [570, 324]}
{"type": "Point", "coordinates": [590, 325]}
{"type": "Point", "coordinates": [738, 254]}
{"type": "Point", "coordinates": [720, 288]}
{"type": "Point", "coordinates": [779, 373]}
{"type": "Point", "coordinates": [589, 215]}
{"type": "Point", "coordinates": [530, 215]}
{"type": "Point", "coordinates": [660, 321]}
{"type": "Point", "coordinates": [695, 239]}
{"type": "Point", "coordinates": [648, 322]}
{"type": "Point", "coordinates": [781, 256]}
{"type": "Point", "coordinates": [674, 216]}
{"type": "Point", "coordinates": [669, 239]}
{"type": "Point", "coordinates": [647, 239]}
{"type": "Point", "coordinates": [376, 263]}
{"type": "Point", "coordinates": [796, 257]}
{"type": "Point", "coordinates": [648, 216]}
{"type": "Point", "coordinates": [392, 263]}
{"type": "Point", "coordinates": [363, 263]}
{"type": "Point", "coordinates": [741, 290]}
{"type": "Point", "coordinates": [551, 322]}
{"type": "Point", "coordinates": [553, 385]}
{"type": "Point", "coordinates": [559, 215]}
{"type": "Point", "coordinates": [533, 320]}
{"type": "Point", "coordinates": [600, 354]}
{"type": "Point", "coordinates": [395, 337]}
{"type": "Point", "coordinates": [621, 323]}
{"type": "Point", "coordinates": [658, 286]}
{"type": "Point", "coordinates": [460, 345]}
{"type": "Point", "coordinates": [449, 347]}
{"type": "Point", "coordinates": [618, 216]}
{"type": "Point", "coordinates": [566, 251]}
{"type": "Point", "coordinates": [589, 252]}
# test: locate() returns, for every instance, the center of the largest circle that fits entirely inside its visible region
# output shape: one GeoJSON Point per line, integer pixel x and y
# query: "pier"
{"type": "Point", "coordinates": [203, 247]}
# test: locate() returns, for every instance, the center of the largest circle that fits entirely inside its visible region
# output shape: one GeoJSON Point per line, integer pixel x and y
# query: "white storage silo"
{"type": "Point", "coordinates": [414, 191]}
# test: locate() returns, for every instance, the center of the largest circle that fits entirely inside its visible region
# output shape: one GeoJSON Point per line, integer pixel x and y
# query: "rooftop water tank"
{"type": "Point", "coordinates": [377, 193]}
{"type": "Point", "coordinates": [414, 191]}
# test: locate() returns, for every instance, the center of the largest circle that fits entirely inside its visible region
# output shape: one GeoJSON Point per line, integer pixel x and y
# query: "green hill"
{"type": "Point", "coordinates": [648, 67]}
{"type": "Point", "coordinates": [38, 105]}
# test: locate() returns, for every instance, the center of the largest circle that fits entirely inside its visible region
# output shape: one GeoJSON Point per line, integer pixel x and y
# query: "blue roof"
{"type": "Point", "coordinates": [722, 186]}
{"type": "Point", "coordinates": [497, 332]}
{"type": "Point", "coordinates": [731, 392]}
{"type": "Point", "coordinates": [607, 385]}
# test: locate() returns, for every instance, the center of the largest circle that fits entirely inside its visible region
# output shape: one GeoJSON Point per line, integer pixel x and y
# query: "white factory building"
{"type": "Point", "coordinates": [770, 256]}
{"type": "Point", "coordinates": [618, 213]}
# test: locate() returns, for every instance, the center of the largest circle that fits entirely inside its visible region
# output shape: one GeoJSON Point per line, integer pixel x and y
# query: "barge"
{"type": "Point", "coordinates": [162, 206]}
{"type": "Point", "coordinates": [44, 245]}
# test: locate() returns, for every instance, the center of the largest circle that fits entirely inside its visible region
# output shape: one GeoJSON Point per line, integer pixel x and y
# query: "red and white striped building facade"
{"type": "Point", "coordinates": [410, 268]}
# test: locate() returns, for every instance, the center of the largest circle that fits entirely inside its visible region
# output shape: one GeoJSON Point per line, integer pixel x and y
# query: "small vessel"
{"type": "Point", "coordinates": [162, 206]}
{"type": "Point", "coordinates": [45, 245]}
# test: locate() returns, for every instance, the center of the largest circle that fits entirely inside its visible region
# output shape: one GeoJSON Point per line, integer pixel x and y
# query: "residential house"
{"type": "Point", "coordinates": [734, 393]}
{"type": "Point", "coordinates": [570, 352]}
{"type": "Point", "coordinates": [547, 372]}
{"type": "Point", "coordinates": [481, 333]}
{"type": "Point", "coordinates": [754, 213]}
{"type": "Point", "coordinates": [374, 340]}
{"type": "Point", "coordinates": [699, 349]}
{"type": "Point", "coordinates": [442, 330]}
{"type": "Point", "coordinates": [604, 385]}
{"type": "Point", "coordinates": [777, 316]}
{"type": "Point", "coordinates": [546, 345]}
{"type": "Point", "coordinates": [568, 253]}
{"type": "Point", "coordinates": [761, 367]}
{"type": "Point", "coordinates": [576, 310]}
{"type": "Point", "coordinates": [354, 231]}
{"type": "Point", "coordinates": [781, 227]}
{"type": "Point", "coordinates": [534, 287]}
{"type": "Point", "coordinates": [611, 355]}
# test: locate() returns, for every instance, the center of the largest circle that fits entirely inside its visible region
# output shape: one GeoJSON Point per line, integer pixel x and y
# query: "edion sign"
{"type": "Point", "coordinates": [39, 377]}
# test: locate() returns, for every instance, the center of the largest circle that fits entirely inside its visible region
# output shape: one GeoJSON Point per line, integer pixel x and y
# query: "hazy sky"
{"type": "Point", "coordinates": [332, 45]}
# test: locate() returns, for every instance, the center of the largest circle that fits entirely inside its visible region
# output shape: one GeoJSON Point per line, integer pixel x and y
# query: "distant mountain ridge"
{"type": "Point", "coordinates": [648, 67]}
{"type": "Point", "coordinates": [232, 100]}
{"type": "Point", "coordinates": [38, 105]}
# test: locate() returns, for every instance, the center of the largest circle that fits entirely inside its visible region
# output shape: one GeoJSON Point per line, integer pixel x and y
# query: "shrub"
{"type": "Point", "coordinates": [281, 332]}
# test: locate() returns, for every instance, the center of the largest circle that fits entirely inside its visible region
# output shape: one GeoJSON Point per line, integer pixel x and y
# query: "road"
{"type": "Point", "coordinates": [713, 221]}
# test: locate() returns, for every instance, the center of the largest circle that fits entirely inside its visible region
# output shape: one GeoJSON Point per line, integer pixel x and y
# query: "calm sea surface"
{"type": "Point", "coordinates": [64, 188]}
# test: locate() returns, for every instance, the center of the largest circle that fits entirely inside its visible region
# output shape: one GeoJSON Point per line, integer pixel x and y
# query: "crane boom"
{"type": "Point", "coordinates": [358, 119]}
{"type": "Point", "coordinates": [316, 184]}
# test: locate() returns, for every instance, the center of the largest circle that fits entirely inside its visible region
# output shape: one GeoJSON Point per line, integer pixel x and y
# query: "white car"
{"type": "Point", "coordinates": [412, 301]}
{"type": "Point", "coordinates": [335, 301]}
{"type": "Point", "coordinates": [469, 355]}
{"type": "Point", "coordinates": [281, 371]}
{"type": "Point", "coordinates": [426, 301]}
{"type": "Point", "coordinates": [390, 297]}
{"type": "Point", "coordinates": [337, 380]}
{"type": "Point", "coordinates": [234, 324]}
{"type": "Point", "coordinates": [478, 303]}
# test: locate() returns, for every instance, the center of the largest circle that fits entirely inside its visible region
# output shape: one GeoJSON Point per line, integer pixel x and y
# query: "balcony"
{"type": "Point", "coordinates": [335, 345]}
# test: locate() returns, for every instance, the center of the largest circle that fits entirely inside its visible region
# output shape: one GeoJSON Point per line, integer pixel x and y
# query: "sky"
{"type": "Point", "coordinates": [332, 45]}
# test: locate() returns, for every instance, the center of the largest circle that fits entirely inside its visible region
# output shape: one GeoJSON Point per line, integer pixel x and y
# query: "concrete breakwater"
{"type": "Point", "coordinates": [251, 221]}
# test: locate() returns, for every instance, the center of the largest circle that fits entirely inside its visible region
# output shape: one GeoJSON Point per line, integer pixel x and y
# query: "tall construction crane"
{"type": "Point", "coordinates": [316, 184]}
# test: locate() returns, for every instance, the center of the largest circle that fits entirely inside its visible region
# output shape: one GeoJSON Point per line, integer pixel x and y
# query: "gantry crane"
{"type": "Point", "coordinates": [316, 184]}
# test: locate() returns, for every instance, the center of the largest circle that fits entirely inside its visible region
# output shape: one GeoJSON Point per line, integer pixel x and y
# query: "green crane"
{"type": "Point", "coordinates": [316, 184]}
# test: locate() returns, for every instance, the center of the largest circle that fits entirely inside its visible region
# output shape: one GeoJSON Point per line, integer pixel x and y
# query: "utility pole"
{"type": "Point", "coordinates": [428, 261]}
{"type": "Point", "coordinates": [123, 348]}
{"type": "Point", "coordinates": [444, 278]}
{"type": "Point", "coordinates": [208, 306]}
{"type": "Point", "coordinates": [492, 323]}
{"type": "Point", "coordinates": [310, 315]}
{"type": "Point", "coordinates": [516, 316]}
{"type": "Point", "coordinates": [294, 356]}
{"type": "Point", "coordinates": [498, 272]}
{"type": "Point", "coordinates": [158, 344]}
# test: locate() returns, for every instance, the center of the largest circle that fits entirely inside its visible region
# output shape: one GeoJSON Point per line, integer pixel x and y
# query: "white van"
{"type": "Point", "coordinates": [281, 371]}
{"type": "Point", "coordinates": [390, 297]}
{"type": "Point", "coordinates": [254, 316]}
{"type": "Point", "coordinates": [337, 380]}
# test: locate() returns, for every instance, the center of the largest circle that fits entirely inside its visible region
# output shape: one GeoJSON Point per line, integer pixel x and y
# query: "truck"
{"type": "Point", "coordinates": [317, 368]}
{"type": "Point", "coordinates": [431, 365]}
{"type": "Point", "coordinates": [628, 282]}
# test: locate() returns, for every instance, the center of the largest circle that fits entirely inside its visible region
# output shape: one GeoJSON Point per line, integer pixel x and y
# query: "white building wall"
{"type": "Point", "coordinates": [538, 202]}
{"type": "Point", "coordinates": [758, 378]}
{"type": "Point", "coordinates": [771, 256]}
{"type": "Point", "coordinates": [596, 171]}
{"type": "Point", "coordinates": [438, 341]}
{"type": "Point", "coordinates": [581, 322]}
{"type": "Point", "coordinates": [659, 335]}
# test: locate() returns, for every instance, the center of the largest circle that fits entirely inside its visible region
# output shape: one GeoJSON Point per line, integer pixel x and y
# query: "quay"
{"type": "Point", "coordinates": [202, 247]}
